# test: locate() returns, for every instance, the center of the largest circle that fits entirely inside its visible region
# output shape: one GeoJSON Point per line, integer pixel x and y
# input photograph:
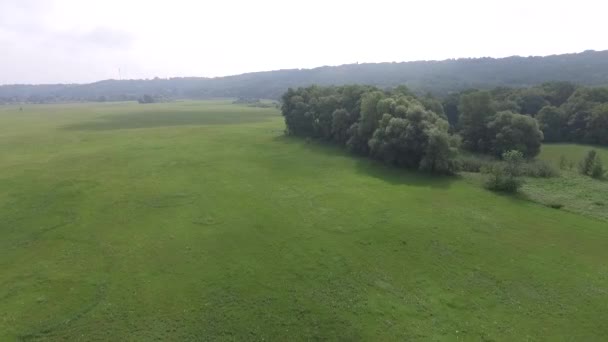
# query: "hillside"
{"type": "Point", "coordinates": [438, 77]}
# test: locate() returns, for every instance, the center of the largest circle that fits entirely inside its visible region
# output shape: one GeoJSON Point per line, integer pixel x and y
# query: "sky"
{"type": "Point", "coordinates": [80, 41]}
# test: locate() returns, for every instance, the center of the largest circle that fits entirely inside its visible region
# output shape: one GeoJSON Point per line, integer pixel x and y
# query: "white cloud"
{"type": "Point", "coordinates": [82, 41]}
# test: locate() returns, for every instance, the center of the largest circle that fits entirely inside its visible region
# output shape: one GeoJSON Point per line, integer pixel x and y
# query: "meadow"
{"type": "Point", "coordinates": [200, 220]}
{"type": "Point", "coordinates": [571, 191]}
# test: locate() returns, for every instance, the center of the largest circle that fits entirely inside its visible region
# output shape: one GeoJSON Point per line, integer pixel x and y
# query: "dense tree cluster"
{"type": "Point", "coordinates": [393, 126]}
{"type": "Point", "coordinates": [564, 113]}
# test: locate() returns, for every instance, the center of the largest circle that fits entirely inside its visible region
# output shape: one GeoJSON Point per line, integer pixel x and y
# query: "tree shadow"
{"type": "Point", "coordinates": [152, 119]}
{"type": "Point", "coordinates": [373, 168]}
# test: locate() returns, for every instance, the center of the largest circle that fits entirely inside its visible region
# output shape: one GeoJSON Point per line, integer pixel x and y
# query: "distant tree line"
{"type": "Point", "coordinates": [440, 78]}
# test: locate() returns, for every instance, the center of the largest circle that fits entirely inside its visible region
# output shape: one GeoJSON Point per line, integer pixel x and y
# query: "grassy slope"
{"type": "Point", "coordinates": [575, 192]}
{"type": "Point", "coordinates": [172, 221]}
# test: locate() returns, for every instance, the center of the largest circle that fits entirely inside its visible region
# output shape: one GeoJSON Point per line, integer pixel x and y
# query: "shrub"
{"type": "Point", "coordinates": [591, 165]}
{"type": "Point", "coordinates": [472, 163]}
{"type": "Point", "coordinates": [597, 171]}
{"type": "Point", "coordinates": [505, 177]}
{"type": "Point", "coordinates": [555, 205]}
{"type": "Point", "coordinates": [540, 169]}
{"type": "Point", "coordinates": [564, 163]}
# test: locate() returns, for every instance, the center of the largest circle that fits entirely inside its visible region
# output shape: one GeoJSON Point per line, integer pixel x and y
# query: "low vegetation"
{"type": "Point", "coordinates": [505, 176]}
{"type": "Point", "coordinates": [592, 165]}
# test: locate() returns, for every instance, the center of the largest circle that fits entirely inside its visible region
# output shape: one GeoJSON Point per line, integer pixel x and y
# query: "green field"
{"type": "Point", "coordinates": [195, 221]}
{"type": "Point", "coordinates": [572, 191]}
{"type": "Point", "coordinates": [571, 152]}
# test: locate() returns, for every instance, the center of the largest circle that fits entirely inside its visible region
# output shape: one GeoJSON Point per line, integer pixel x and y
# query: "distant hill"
{"type": "Point", "coordinates": [438, 77]}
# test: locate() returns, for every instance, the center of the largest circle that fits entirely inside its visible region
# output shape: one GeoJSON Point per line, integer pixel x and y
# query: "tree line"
{"type": "Point", "coordinates": [564, 111]}
{"type": "Point", "coordinates": [402, 129]}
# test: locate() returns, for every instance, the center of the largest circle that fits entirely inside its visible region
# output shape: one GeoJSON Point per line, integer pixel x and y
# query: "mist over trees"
{"type": "Point", "coordinates": [440, 78]}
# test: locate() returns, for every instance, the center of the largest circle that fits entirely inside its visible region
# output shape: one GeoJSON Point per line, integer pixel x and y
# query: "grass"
{"type": "Point", "coordinates": [201, 221]}
{"type": "Point", "coordinates": [571, 191]}
{"type": "Point", "coordinates": [572, 152]}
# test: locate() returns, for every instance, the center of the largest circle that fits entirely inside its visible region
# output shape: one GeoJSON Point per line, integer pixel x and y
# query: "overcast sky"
{"type": "Point", "coordinates": [67, 41]}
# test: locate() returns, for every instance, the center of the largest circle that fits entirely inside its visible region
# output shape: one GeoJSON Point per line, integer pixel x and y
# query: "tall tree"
{"type": "Point", "coordinates": [476, 111]}
{"type": "Point", "coordinates": [552, 122]}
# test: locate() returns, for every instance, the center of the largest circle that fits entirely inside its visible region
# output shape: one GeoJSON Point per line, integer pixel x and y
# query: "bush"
{"type": "Point", "coordinates": [505, 176]}
{"type": "Point", "coordinates": [592, 166]}
{"type": "Point", "coordinates": [555, 205]}
{"type": "Point", "coordinates": [498, 179]}
{"type": "Point", "coordinates": [597, 171]}
{"type": "Point", "coordinates": [540, 169]}
{"type": "Point", "coordinates": [565, 164]}
{"type": "Point", "coordinates": [472, 163]}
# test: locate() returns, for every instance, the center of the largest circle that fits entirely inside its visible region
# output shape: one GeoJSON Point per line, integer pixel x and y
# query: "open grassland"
{"type": "Point", "coordinates": [571, 152]}
{"type": "Point", "coordinates": [201, 221]}
{"type": "Point", "coordinates": [571, 191]}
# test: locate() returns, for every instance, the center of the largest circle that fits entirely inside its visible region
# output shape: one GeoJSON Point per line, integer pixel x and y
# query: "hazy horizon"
{"type": "Point", "coordinates": [69, 41]}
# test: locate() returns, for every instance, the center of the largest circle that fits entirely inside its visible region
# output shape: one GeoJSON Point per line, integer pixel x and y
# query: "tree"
{"type": "Point", "coordinates": [531, 100]}
{"type": "Point", "coordinates": [515, 132]}
{"type": "Point", "coordinates": [295, 110]}
{"type": "Point", "coordinates": [450, 106]}
{"type": "Point", "coordinates": [597, 125]}
{"type": "Point", "coordinates": [440, 153]}
{"type": "Point", "coordinates": [420, 140]}
{"type": "Point", "coordinates": [434, 105]}
{"type": "Point", "coordinates": [362, 131]}
{"type": "Point", "coordinates": [557, 93]}
{"type": "Point", "coordinates": [341, 122]}
{"type": "Point", "coordinates": [475, 112]}
{"type": "Point", "coordinates": [552, 124]}
{"type": "Point", "coordinates": [322, 115]}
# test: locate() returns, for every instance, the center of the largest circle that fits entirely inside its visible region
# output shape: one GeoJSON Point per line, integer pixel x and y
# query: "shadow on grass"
{"type": "Point", "coordinates": [164, 118]}
{"type": "Point", "coordinates": [371, 167]}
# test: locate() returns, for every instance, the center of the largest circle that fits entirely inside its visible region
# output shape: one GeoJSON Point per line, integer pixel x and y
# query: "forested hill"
{"type": "Point", "coordinates": [438, 77]}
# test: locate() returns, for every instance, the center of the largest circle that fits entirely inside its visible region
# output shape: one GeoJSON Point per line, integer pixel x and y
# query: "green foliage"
{"type": "Point", "coordinates": [592, 165]}
{"type": "Point", "coordinates": [440, 152]}
{"type": "Point", "coordinates": [564, 112]}
{"type": "Point", "coordinates": [505, 177]}
{"type": "Point", "coordinates": [552, 124]}
{"type": "Point", "coordinates": [394, 126]}
{"type": "Point", "coordinates": [531, 100]}
{"type": "Point", "coordinates": [597, 125]}
{"type": "Point", "coordinates": [341, 122]}
{"type": "Point", "coordinates": [473, 163]}
{"type": "Point", "coordinates": [362, 131]}
{"type": "Point", "coordinates": [450, 106]}
{"type": "Point", "coordinates": [476, 111]}
{"type": "Point", "coordinates": [565, 164]}
{"type": "Point", "coordinates": [509, 131]}
{"type": "Point", "coordinates": [557, 93]}
{"type": "Point", "coordinates": [540, 169]}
